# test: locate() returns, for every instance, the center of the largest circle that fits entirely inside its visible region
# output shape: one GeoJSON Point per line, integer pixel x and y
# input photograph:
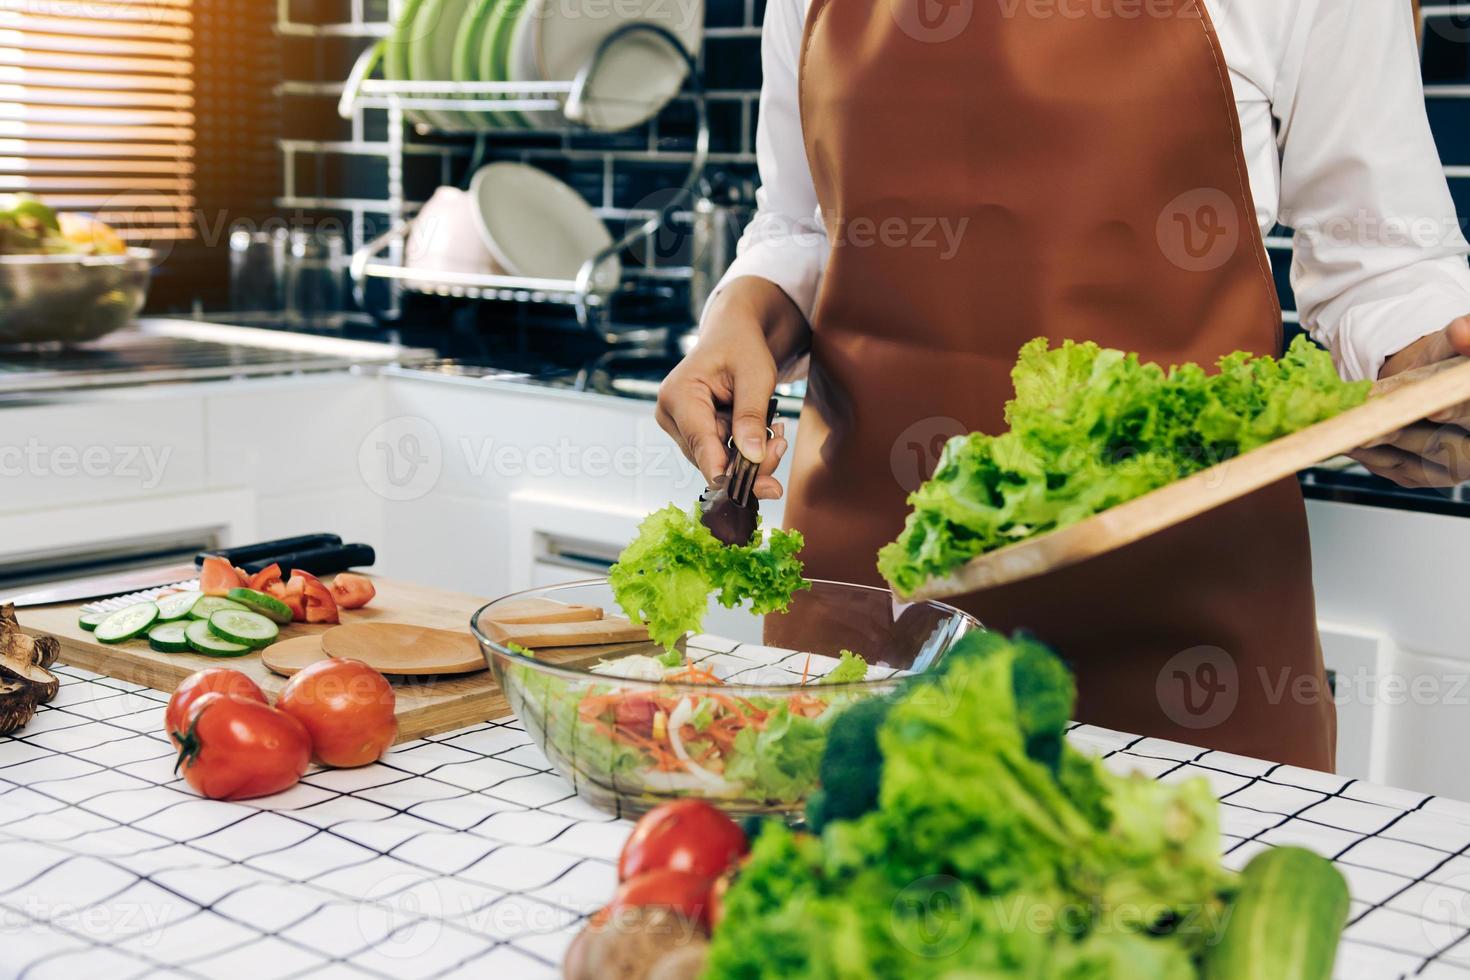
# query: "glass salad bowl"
{"type": "Point", "coordinates": [737, 714]}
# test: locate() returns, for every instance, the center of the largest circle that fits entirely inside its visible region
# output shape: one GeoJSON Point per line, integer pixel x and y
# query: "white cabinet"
{"type": "Point", "coordinates": [1391, 588]}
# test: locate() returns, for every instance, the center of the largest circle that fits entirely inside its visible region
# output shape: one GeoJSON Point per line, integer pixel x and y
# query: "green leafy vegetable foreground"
{"type": "Point", "coordinates": [1091, 428]}
{"type": "Point", "coordinates": [666, 576]}
{"type": "Point", "coordinates": [961, 837]}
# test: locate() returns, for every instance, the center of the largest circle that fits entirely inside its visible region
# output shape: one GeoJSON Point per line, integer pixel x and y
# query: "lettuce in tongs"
{"type": "Point", "coordinates": [666, 576]}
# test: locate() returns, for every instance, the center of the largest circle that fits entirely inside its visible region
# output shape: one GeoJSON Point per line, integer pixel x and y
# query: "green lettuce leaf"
{"type": "Point", "coordinates": [1091, 428]}
{"type": "Point", "coordinates": [850, 669]}
{"type": "Point", "coordinates": [665, 577]}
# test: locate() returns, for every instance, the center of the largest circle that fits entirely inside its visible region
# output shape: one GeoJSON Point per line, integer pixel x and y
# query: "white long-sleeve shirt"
{"type": "Point", "coordinates": [1332, 114]}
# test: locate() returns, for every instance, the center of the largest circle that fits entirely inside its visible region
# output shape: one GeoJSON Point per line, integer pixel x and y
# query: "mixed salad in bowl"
{"type": "Point", "coordinates": [731, 718]}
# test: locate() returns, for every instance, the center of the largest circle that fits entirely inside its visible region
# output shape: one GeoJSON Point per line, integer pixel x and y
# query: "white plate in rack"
{"type": "Point", "coordinates": [538, 226]}
{"type": "Point", "coordinates": [636, 78]}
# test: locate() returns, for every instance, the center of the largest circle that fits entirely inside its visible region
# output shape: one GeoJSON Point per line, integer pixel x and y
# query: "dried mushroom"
{"type": "Point", "coordinates": [17, 705]}
{"type": "Point", "coordinates": [24, 659]}
{"type": "Point", "coordinates": [637, 944]}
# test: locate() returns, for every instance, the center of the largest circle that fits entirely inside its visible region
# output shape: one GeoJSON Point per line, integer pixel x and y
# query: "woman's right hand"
{"type": "Point", "coordinates": [724, 386]}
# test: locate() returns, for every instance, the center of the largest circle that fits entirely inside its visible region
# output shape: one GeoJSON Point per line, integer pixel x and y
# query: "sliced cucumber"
{"type": "Point", "coordinates": [90, 621]}
{"type": "Point", "coordinates": [207, 606]}
{"type": "Point", "coordinates": [202, 640]}
{"type": "Point", "coordinates": [127, 622]}
{"type": "Point", "coordinates": [169, 637]}
{"type": "Point", "coordinates": [176, 606]}
{"type": "Point", "coordinates": [267, 605]}
{"type": "Point", "coordinates": [244, 626]}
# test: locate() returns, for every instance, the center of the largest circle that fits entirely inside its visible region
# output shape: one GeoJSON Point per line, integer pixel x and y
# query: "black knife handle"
{"type": "Point", "coordinates": [318, 561]}
{"type": "Point", "coordinates": [241, 554]}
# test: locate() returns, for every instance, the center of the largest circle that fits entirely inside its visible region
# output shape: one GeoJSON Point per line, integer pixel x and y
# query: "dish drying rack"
{"type": "Point", "coordinates": [382, 257]}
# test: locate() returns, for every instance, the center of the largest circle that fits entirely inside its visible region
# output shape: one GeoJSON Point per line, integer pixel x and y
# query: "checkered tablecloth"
{"type": "Point", "coordinates": [464, 855]}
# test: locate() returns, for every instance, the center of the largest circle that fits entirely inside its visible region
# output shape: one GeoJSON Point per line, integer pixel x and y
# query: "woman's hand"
{"type": "Point", "coordinates": [724, 386]}
{"type": "Point", "coordinates": [1435, 452]}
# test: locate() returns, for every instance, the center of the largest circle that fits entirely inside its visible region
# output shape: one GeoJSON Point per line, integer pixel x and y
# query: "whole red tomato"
{"type": "Point", "coordinates": [195, 686]}
{"type": "Point", "coordinates": [686, 835]}
{"type": "Point", "coordinates": [347, 707]}
{"type": "Point", "coordinates": [238, 749]}
{"type": "Point", "coordinates": [685, 893]}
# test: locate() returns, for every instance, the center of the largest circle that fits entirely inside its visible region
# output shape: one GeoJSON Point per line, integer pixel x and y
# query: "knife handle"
{"type": "Point", "coordinates": [318, 561]}
{"type": "Point", "coordinates": [241, 554]}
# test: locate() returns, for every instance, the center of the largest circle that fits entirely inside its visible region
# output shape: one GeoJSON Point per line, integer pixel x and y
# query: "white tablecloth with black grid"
{"type": "Point", "coordinates": [465, 855]}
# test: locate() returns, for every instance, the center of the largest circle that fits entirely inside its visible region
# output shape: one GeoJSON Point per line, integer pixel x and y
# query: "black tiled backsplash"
{"type": "Point", "coordinates": [636, 169]}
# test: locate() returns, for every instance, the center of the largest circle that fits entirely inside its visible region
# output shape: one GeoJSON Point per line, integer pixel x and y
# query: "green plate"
{"type": "Point", "coordinates": [495, 53]}
{"type": "Point", "coordinates": [467, 45]}
{"type": "Point", "coordinates": [431, 51]}
{"type": "Point", "coordinates": [395, 57]}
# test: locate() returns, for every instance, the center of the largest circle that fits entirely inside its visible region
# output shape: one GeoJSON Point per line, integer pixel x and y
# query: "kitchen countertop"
{"type": "Point", "coordinates": [464, 855]}
{"type": "Point", "coordinates": [549, 357]}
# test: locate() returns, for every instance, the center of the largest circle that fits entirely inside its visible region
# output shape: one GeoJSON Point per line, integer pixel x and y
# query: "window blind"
{"type": "Point", "coordinates": [97, 110]}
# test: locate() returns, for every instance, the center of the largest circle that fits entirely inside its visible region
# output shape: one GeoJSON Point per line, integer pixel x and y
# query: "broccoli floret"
{"type": "Point", "coordinates": [1045, 696]}
{"type": "Point", "coordinates": [851, 765]}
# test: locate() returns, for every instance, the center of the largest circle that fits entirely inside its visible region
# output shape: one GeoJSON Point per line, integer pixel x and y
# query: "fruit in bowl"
{"type": "Point", "coordinates": [738, 715]}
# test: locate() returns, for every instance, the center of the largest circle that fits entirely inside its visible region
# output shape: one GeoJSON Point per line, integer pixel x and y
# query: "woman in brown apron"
{"type": "Point", "coordinates": [987, 175]}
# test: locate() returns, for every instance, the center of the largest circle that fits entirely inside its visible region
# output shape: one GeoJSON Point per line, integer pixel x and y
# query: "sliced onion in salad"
{"type": "Point", "coordinates": [678, 718]}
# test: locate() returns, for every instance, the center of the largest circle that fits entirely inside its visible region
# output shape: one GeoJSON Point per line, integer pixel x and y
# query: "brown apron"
{"type": "Point", "coordinates": [989, 174]}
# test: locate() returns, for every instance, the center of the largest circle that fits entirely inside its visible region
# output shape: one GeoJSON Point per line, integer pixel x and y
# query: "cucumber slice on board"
{"type": "Point", "coordinates": [267, 605]}
{"type": "Point", "coordinates": [127, 622]}
{"type": "Point", "coordinates": [177, 605]}
{"type": "Point", "coordinates": [202, 640]}
{"type": "Point", "coordinates": [243, 626]}
{"type": "Point", "coordinates": [90, 621]}
{"type": "Point", "coordinates": [209, 605]}
{"type": "Point", "coordinates": [169, 637]}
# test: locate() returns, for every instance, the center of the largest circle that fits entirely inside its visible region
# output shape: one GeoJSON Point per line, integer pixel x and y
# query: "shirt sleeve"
{"type": "Point", "coordinates": [1379, 255]}
{"type": "Point", "coordinates": [786, 241]}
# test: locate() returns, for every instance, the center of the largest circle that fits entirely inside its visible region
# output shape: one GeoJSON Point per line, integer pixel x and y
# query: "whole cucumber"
{"type": "Point", "coordinates": [1285, 922]}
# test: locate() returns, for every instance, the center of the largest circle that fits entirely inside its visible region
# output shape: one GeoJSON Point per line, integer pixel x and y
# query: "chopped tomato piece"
{"type": "Point", "coordinates": [261, 580]}
{"type": "Point", "coordinates": [296, 600]}
{"type": "Point", "coordinates": [352, 591]}
{"type": "Point", "coordinates": [320, 606]}
{"type": "Point", "coordinates": [218, 576]}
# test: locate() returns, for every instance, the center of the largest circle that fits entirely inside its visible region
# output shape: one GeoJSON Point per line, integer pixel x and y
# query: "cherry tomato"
{"type": "Point", "coordinates": [686, 835]}
{"type": "Point", "coordinates": [316, 598]}
{"type": "Point", "coordinates": [347, 707]}
{"type": "Point", "coordinates": [195, 686]}
{"type": "Point", "coordinates": [685, 893]}
{"type": "Point", "coordinates": [238, 749]}
{"type": "Point", "coordinates": [217, 576]}
{"type": "Point", "coordinates": [635, 713]}
{"type": "Point", "coordinates": [352, 591]}
{"type": "Point", "coordinates": [262, 580]}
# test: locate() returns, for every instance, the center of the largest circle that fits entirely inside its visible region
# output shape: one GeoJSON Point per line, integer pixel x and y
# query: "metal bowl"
{"type": "Point", "coordinates": [604, 732]}
{"type": "Point", "coordinates": [71, 298]}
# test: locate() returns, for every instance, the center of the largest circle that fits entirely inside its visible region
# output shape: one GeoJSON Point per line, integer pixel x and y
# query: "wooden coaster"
{"type": "Point", "coordinates": [397, 648]}
{"type": "Point", "coordinates": [288, 656]}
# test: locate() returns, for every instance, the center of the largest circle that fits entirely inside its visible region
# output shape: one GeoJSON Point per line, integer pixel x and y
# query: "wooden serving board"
{"type": "Point", "coordinates": [1439, 388]}
{"type": "Point", "coordinates": [426, 705]}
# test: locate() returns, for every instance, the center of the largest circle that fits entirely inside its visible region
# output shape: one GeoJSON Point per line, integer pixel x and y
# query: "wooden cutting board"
{"type": "Point", "coordinates": [426, 705]}
{"type": "Point", "coordinates": [1442, 386]}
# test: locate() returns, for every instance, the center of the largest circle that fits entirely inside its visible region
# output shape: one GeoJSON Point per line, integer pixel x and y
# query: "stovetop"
{"type": "Point", "coordinates": [162, 350]}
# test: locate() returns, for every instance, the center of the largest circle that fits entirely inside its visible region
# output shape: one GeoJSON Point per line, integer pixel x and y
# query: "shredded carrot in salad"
{"type": "Point", "coordinates": [710, 723]}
